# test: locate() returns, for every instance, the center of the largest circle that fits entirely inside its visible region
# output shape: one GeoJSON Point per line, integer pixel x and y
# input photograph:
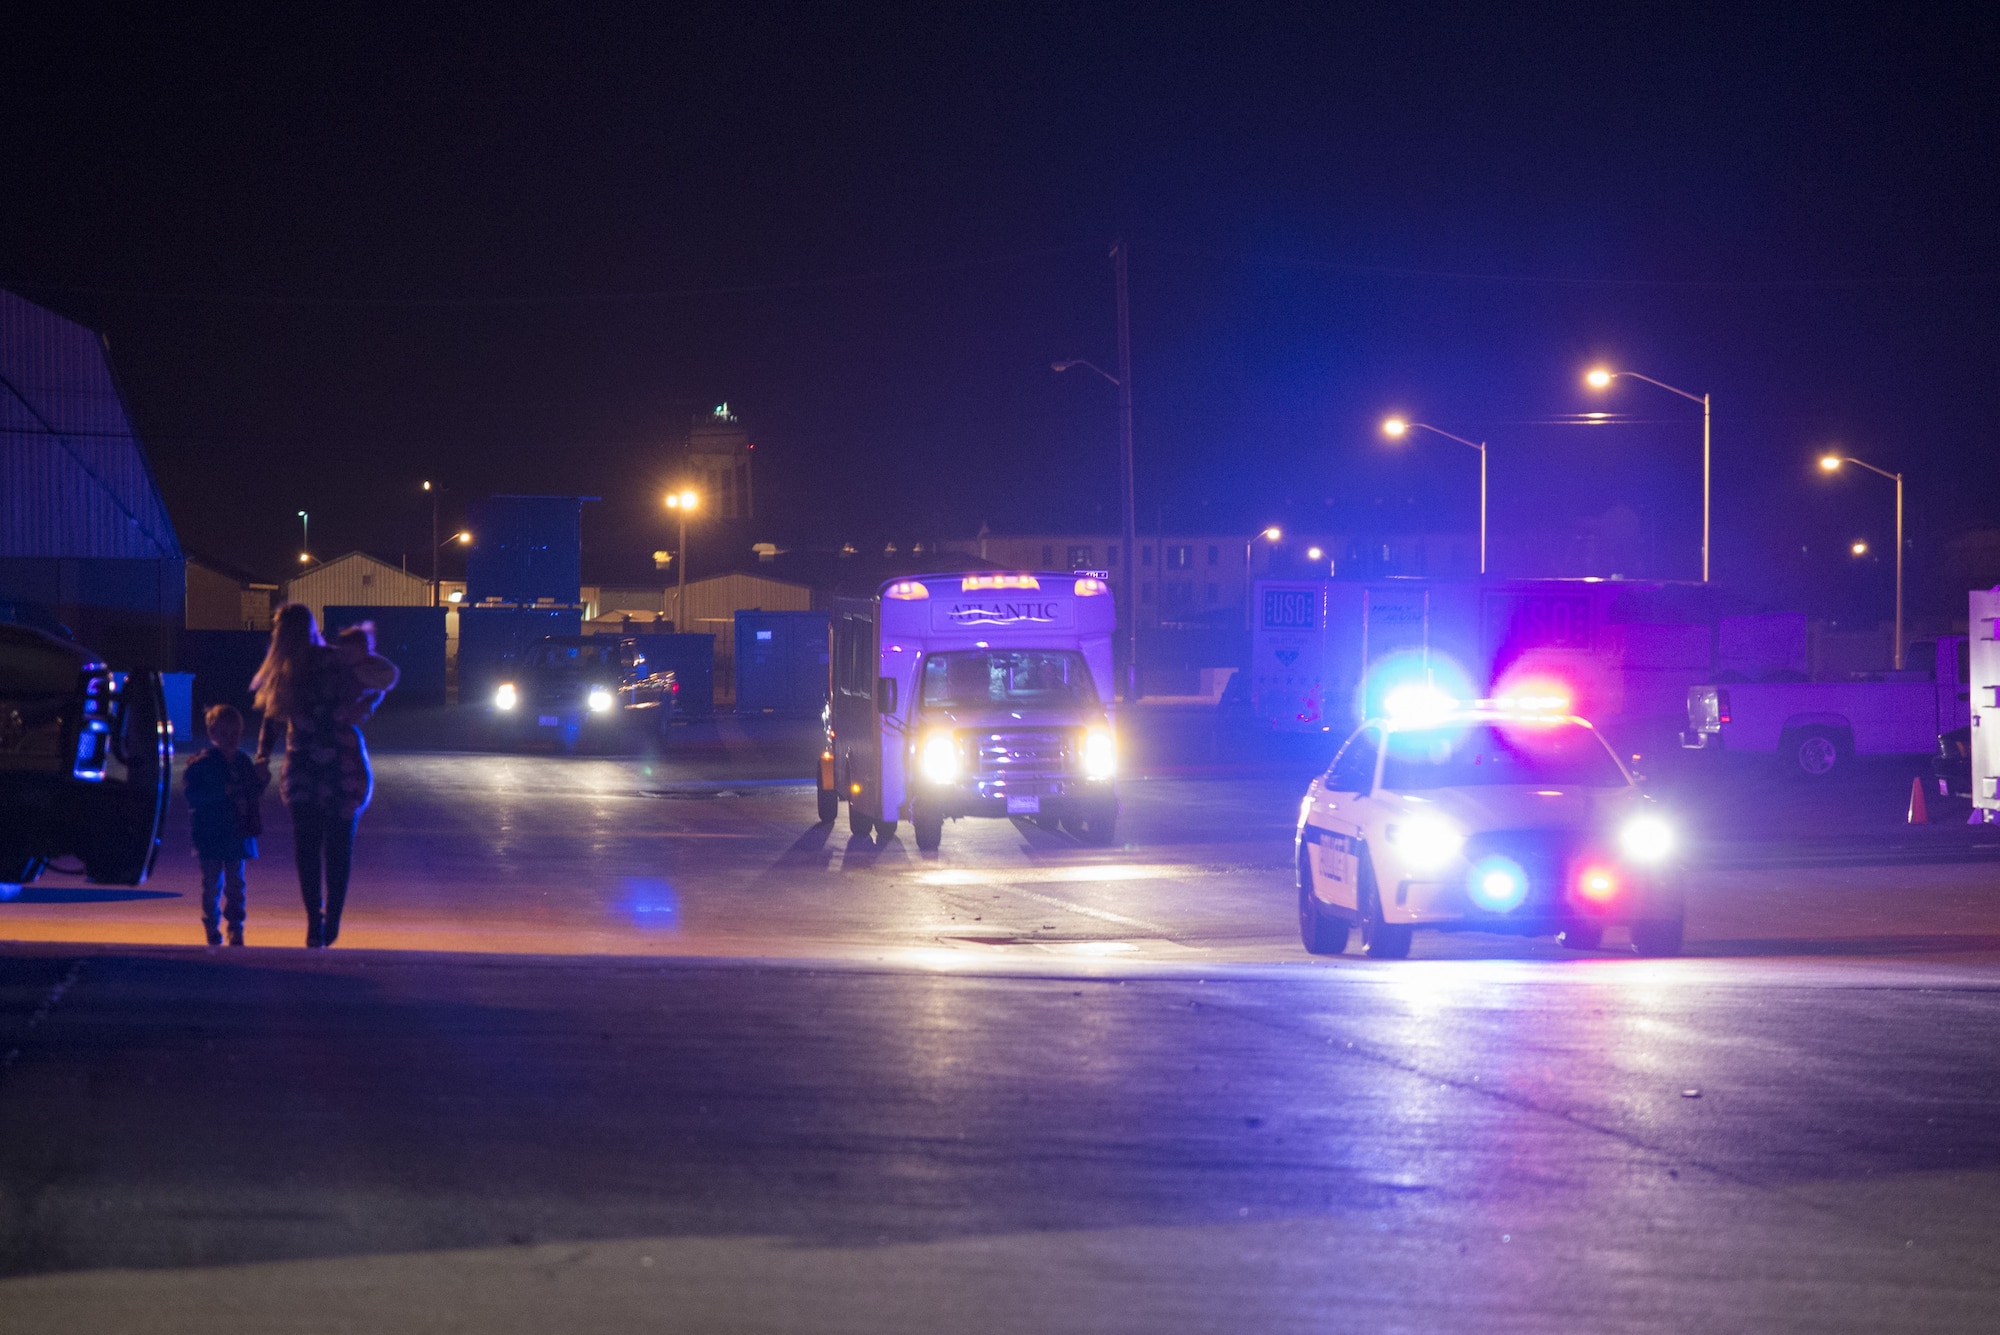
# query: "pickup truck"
{"type": "Point", "coordinates": [1816, 727]}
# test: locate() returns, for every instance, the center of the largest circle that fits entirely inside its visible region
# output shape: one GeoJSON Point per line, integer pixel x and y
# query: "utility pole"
{"type": "Point", "coordinates": [1125, 468]}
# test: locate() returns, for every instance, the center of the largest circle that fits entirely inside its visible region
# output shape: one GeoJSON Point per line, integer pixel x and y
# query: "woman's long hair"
{"type": "Point", "coordinates": [294, 633]}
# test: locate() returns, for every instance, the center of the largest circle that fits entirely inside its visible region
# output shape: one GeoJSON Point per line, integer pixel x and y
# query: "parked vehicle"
{"type": "Point", "coordinates": [85, 761]}
{"type": "Point", "coordinates": [1815, 727]}
{"type": "Point", "coordinates": [972, 694]}
{"type": "Point", "coordinates": [575, 689]}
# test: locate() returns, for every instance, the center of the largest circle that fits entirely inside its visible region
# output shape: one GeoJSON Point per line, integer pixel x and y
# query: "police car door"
{"type": "Point", "coordinates": [1333, 827]}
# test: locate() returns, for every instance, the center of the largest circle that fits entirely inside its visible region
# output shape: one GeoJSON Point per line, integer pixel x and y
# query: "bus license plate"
{"type": "Point", "coordinates": [1019, 806]}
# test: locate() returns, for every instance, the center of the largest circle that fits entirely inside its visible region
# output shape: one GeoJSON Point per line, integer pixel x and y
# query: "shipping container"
{"type": "Point", "coordinates": [781, 662]}
{"type": "Point", "coordinates": [410, 637]}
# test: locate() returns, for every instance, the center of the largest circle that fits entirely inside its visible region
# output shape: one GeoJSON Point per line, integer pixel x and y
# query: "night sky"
{"type": "Point", "coordinates": [515, 253]}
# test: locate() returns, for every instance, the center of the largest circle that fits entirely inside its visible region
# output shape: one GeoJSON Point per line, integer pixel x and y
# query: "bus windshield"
{"type": "Point", "coordinates": [968, 678]}
{"type": "Point", "coordinates": [1480, 755]}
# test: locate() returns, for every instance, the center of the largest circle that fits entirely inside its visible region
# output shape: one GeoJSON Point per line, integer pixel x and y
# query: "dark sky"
{"type": "Point", "coordinates": [516, 253]}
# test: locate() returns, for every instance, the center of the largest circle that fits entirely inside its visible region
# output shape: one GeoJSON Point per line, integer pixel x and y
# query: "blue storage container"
{"type": "Point", "coordinates": [781, 662]}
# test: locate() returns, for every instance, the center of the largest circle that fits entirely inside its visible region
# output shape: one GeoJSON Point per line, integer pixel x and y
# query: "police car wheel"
{"type": "Point", "coordinates": [829, 806]}
{"type": "Point", "coordinates": [1319, 933]}
{"type": "Point", "coordinates": [859, 824]}
{"type": "Point", "coordinates": [929, 830]}
{"type": "Point", "coordinates": [1657, 938]}
{"type": "Point", "coordinates": [1379, 940]}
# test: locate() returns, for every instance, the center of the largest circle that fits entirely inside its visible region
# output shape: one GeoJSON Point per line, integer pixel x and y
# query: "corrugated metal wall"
{"type": "Point", "coordinates": [357, 579]}
{"type": "Point", "coordinates": [712, 605]}
{"type": "Point", "coordinates": [73, 480]}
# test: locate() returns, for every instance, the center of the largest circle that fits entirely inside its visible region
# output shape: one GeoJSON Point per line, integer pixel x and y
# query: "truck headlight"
{"type": "Point", "coordinates": [937, 758]}
{"type": "Point", "coordinates": [1100, 754]}
{"type": "Point", "coordinates": [1426, 842]}
{"type": "Point", "coordinates": [505, 696]}
{"type": "Point", "coordinates": [600, 700]}
{"type": "Point", "coordinates": [1646, 839]}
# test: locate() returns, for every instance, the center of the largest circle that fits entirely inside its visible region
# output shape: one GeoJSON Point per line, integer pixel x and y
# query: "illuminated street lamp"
{"type": "Point", "coordinates": [1271, 534]}
{"type": "Point", "coordinates": [1858, 547]}
{"type": "Point", "coordinates": [682, 503]}
{"type": "Point", "coordinates": [1395, 428]}
{"type": "Point", "coordinates": [1600, 378]}
{"type": "Point", "coordinates": [305, 538]}
{"type": "Point", "coordinates": [1830, 463]}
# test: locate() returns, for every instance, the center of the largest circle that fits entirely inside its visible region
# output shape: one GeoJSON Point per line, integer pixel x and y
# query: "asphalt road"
{"type": "Point", "coordinates": [631, 1043]}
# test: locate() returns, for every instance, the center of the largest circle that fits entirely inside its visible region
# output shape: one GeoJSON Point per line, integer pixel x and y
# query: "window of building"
{"type": "Point", "coordinates": [1079, 558]}
{"type": "Point", "coordinates": [1214, 554]}
{"type": "Point", "coordinates": [1180, 557]}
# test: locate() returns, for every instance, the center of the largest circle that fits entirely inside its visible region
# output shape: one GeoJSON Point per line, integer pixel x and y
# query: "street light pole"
{"type": "Point", "coordinates": [1272, 534]}
{"type": "Point", "coordinates": [1601, 379]}
{"type": "Point", "coordinates": [305, 538]}
{"type": "Point", "coordinates": [1130, 505]}
{"type": "Point", "coordinates": [1831, 463]}
{"type": "Point", "coordinates": [681, 502]}
{"type": "Point", "coordinates": [1396, 427]}
{"type": "Point", "coordinates": [434, 542]}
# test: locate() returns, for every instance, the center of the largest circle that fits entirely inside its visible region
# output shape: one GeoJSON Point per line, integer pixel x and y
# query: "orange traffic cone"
{"type": "Point", "coordinates": [1919, 812]}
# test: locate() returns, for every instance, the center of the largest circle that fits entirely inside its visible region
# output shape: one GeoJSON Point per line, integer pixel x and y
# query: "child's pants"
{"type": "Point", "coordinates": [216, 878]}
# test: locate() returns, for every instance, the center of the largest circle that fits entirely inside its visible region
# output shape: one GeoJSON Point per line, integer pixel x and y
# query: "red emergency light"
{"type": "Point", "coordinates": [1597, 884]}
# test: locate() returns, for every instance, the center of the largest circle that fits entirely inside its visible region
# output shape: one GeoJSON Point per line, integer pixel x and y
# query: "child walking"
{"type": "Point", "coordinates": [223, 792]}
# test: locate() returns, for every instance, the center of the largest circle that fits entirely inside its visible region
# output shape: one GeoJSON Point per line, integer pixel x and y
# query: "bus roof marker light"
{"type": "Point", "coordinates": [907, 590]}
{"type": "Point", "coordinates": [977, 583]}
{"type": "Point", "coordinates": [1091, 588]}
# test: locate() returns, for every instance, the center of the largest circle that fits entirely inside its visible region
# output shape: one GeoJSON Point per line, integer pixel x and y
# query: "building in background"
{"type": "Point", "coordinates": [85, 540]}
{"type": "Point", "coordinates": [222, 597]}
{"type": "Point", "coordinates": [356, 580]}
{"type": "Point", "coordinates": [716, 461]}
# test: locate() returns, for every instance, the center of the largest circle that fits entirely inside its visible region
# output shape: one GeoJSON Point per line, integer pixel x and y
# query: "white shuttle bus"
{"type": "Point", "coordinates": [976, 693]}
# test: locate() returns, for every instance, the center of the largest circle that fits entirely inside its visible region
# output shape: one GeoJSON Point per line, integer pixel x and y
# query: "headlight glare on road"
{"type": "Point", "coordinates": [937, 758]}
{"type": "Point", "coordinates": [1646, 839]}
{"type": "Point", "coordinates": [1100, 754]}
{"type": "Point", "coordinates": [1425, 842]}
{"type": "Point", "coordinates": [505, 696]}
{"type": "Point", "coordinates": [600, 700]}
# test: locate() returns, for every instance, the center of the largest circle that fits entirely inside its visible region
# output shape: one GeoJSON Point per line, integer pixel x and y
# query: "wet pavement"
{"type": "Point", "coordinates": [630, 1042]}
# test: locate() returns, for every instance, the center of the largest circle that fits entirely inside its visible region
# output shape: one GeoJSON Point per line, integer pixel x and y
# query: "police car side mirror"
{"type": "Point", "coordinates": [885, 695]}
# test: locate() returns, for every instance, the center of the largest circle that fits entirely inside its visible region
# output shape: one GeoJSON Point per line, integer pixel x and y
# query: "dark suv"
{"type": "Point", "coordinates": [85, 760]}
{"type": "Point", "coordinates": [577, 689]}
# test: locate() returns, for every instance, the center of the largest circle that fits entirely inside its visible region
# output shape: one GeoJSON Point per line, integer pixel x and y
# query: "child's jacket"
{"type": "Point", "coordinates": [223, 792]}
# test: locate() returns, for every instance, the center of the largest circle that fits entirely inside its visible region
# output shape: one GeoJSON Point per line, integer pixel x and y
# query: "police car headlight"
{"type": "Point", "coordinates": [1426, 843]}
{"type": "Point", "coordinates": [937, 758]}
{"type": "Point", "coordinates": [1100, 754]}
{"type": "Point", "coordinates": [600, 700]}
{"type": "Point", "coordinates": [1646, 839]}
{"type": "Point", "coordinates": [505, 696]}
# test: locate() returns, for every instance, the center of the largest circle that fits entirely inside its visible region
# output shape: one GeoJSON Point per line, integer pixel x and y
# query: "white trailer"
{"type": "Point", "coordinates": [1983, 688]}
{"type": "Point", "coordinates": [1324, 651]}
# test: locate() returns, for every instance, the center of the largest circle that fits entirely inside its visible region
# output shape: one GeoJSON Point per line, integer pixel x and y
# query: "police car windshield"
{"type": "Point", "coordinates": [967, 678]}
{"type": "Point", "coordinates": [1482, 754]}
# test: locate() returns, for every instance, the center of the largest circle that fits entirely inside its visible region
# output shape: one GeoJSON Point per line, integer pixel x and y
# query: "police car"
{"type": "Point", "coordinates": [1507, 815]}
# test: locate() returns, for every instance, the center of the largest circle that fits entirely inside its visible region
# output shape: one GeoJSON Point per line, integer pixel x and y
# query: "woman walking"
{"type": "Point", "coordinates": [314, 699]}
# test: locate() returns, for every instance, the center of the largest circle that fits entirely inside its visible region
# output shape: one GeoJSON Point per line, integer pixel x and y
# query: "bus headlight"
{"type": "Point", "coordinates": [1646, 839]}
{"type": "Point", "coordinates": [1100, 754]}
{"type": "Point", "coordinates": [600, 700]}
{"type": "Point", "coordinates": [505, 696]}
{"type": "Point", "coordinates": [937, 758]}
{"type": "Point", "coordinates": [1426, 842]}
